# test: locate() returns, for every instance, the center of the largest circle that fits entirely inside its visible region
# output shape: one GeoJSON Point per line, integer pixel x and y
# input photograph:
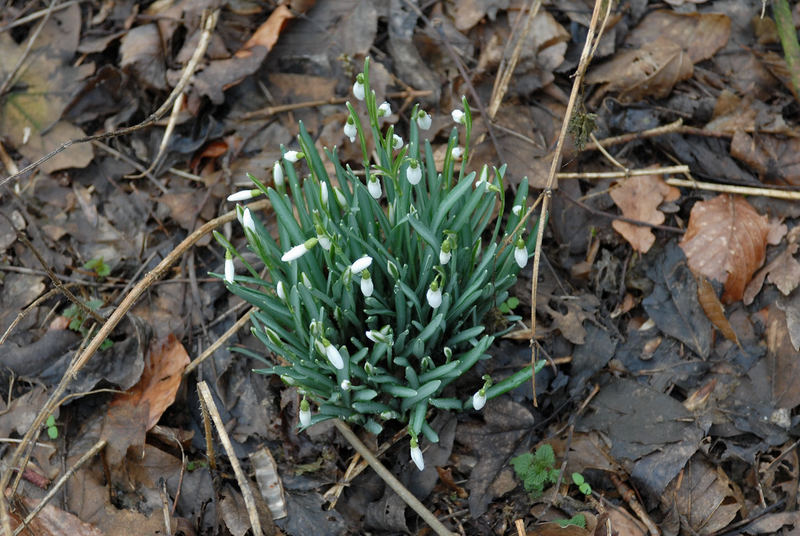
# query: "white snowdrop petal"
{"type": "Point", "coordinates": [397, 142]}
{"type": "Point", "coordinates": [334, 356]}
{"type": "Point", "coordinates": [367, 287]}
{"type": "Point", "coordinates": [478, 400]}
{"type": "Point", "coordinates": [324, 242]}
{"type": "Point", "coordinates": [292, 156]}
{"type": "Point", "coordinates": [280, 290]}
{"type": "Point", "coordinates": [242, 195]}
{"type": "Point", "coordinates": [434, 298]}
{"type": "Point", "coordinates": [416, 456]}
{"type": "Point", "coordinates": [247, 221]}
{"type": "Point", "coordinates": [361, 264]}
{"type": "Point", "coordinates": [374, 188]}
{"type": "Point", "coordinates": [458, 116]}
{"type": "Point", "coordinates": [521, 256]}
{"type": "Point", "coordinates": [424, 120]}
{"type": "Point", "coordinates": [230, 271]}
{"type": "Point", "coordinates": [516, 209]}
{"type": "Point", "coordinates": [305, 417]}
{"type": "Point", "coordinates": [295, 253]}
{"type": "Point", "coordinates": [277, 174]}
{"type": "Point", "coordinates": [414, 175]}
{"type": "Point", "coordinates": [444, 257]}
{"type": "Point", "coordinates": [358, 90]}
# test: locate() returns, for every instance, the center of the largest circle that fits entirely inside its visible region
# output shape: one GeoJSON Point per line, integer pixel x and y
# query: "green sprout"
{"type": "Point", "coordinates": [579, 481]}
{"type": "Point", "coordinates": [52, 430]}
{"type": "Point", "coordinates": [77, 320]}
{"type": "Point", "coordinates": [379, 281]}
{"type": "Point", "coordinates": [509, 305]}
{"type": "Point", "coordinates": [536, 470]}
{"type": "Point", "coordinates": [98, 266]}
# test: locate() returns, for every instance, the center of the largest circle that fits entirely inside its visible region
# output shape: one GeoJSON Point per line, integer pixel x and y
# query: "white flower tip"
{"type": "Point", "coordinates": [458, 116]}
{"type": "Point", "coordinates": [478, 400]}
{"type": "Point", "coordinates": [243, 195]}
{"type": "Point", "coordinates": [414, 175]}
{"type": "Point", "coordinates": [444, 257]}
{"type": "Point", "coordinates": [397, 142]}
{"type": "Point", "coordinates": [334, 356]}
{"type": "Point", "coordinates": [385, 109]}
{"type": "Point", "coordinates": [367, 287]}
{"type": "Point", "coordinates": [292, 156]}
{"type": "Point", "coordinates": [457, 152]}
{"type": "Point", "coordinates": [434, 298]}
{"type": "Point", "coordinates": [230, 271]}
{"type": "Point", "coordinates": [345, 385]}
{"type": "Point", "coordinates": [416, 456]}
{"type": "Point", "coordinates": [277, 174]}
{"type": "Point", "coordinates": [358, 90]}
{"type": "Point", "coordinates": [305, 417]}
{"type": "Point", "coordinates": [424, 120]}
{"type": "Point", "coordinates": [516, 209]}
{"type": "Point", "coordinates": [324, 242]}
{"type": "Point", "coordinates": [521, 256]}
{"type": "Point", "coordinates": [280, 290]}
{"type": "Point", "coordinates": [361, 264]}
{"type": "Point", "coordinates": [374, 188]}
{"type": "Point", "coordinates": [247, 220]}
{"type": "Point", "coordinates": [295, 253]}
{"type": "Point", "coordinates": [323, 190]}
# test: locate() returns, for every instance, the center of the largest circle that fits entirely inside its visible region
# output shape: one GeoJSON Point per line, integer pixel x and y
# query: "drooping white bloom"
{"type": "Point", "coordinates": [361, 264]}
{"type": "Point", "coordinates": [434, 296]}
{"type": "Point", "coordinates": [373, 335]}
{"type": "Point", "coordinates": [397, 142]}
{"type": "Point", "coordinates": [483, 176]}
{"type": "Point", "coordinates": [350, 129]}
{"type": "Point", "coordinates": [323, 192]}
{"type": "Point", "coordinates": [244, 195]}
{"type": "Point", "coordinates": [458, 116]}
{"type": "Point", "coordinates": [414, 173]}
{"type": "Point", "coordinates": [293, 156]}
{"type": "Point", "coordinates": [479, 399]}
{"type": "Point", "coordinates": [457, 152]}
{"type": "Point", "coordinates": [423, 120]}
{"type": "Point", "coordinates": [385, 109]}
{"type": "Point", "coordinates": [339, 197]}
{"type": "Point", "coordinates": [521, 254]}
{"type": "Point", "coordinates": [280, 290]}
{"type": "Point", "coordinates": [277, 174]}
{"type": "Point", "coordinates": [324, 242]}
{"type": "Point", "coordinates": [345, 385]}
{"type": "Point", "coordinates": [366, 284]}
{"type": "Point", "coordinates": [247, 221]}
{"type": "Point", "coordinates": [516, 209]}
{"type": "Point", "coordinates": [305, 413]}
{"type": "Point", "coordinates": [374, 187]}
{"type": "Point", "coordinates": [306, 280]}
{"type": "Point", "coordinates": [333, 354]}
{"type": "Point", "coordinates": [358, 87]}
{"type": "Point", "coordinates": [416, 454]}
{"type": "Point", "coordinates": [299, 250]}
{"type": "Point", "coordinates": [230, 271]}
{"type": "Point", "coordinates": [445, 253]}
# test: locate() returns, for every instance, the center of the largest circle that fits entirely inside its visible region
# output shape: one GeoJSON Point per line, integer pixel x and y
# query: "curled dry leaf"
{"type": "Point", "coordinates": [713, 309]}
{"type": "Point", "coordinates": [639, 198]}
{"type": "Point", "coordinates": [726, 240]}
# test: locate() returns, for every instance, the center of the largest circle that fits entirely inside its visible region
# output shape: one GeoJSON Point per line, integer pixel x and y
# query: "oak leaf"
{"type": "Point", "coordinates": [639, 198]}
{"type": "Point", "coordinates": [726, 240]}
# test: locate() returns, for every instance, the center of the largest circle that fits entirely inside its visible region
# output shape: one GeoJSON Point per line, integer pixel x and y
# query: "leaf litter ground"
{"type": "Point", "coordinates": [671, 315]}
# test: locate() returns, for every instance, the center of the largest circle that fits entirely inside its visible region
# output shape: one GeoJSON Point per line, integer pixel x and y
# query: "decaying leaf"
{"type": "Point", "coordinates": [700, 35]}
{"type": "Point", "coordinates": [776, 159]}
{"type": "Point", "coordinates": [784, 367]}
{"type": "Point", "coordinates": [269, 482]}
{"type": "Point", "coordinates": [707, 297]}
{"type": "Point", "coordinates": [639, 198]}
{"type": "Point", "coordinates": [726, 240]}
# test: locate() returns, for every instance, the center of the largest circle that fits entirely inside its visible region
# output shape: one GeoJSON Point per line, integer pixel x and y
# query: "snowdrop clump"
{"type": "Point", "coordinates": [376, 294]}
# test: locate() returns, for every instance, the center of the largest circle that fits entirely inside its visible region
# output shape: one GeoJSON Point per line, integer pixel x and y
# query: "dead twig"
{"type": "Point", "coordinates": [219, 342]}
{"type": "Point", "coordinates": [26, 310]}
{"type": "Point", "coordinates": [38, 14]}
{"type": "Point", "coordinates": [391, 480]}
{"type": "Point", "coordinates": [116, 316]}
{"type": "Point", "coordinates": [583, 64]}
{"type": "Point", "coordinates": [241, 479]}
{"type": "Point", "coordinates": [676, 127]}
{"type": "Point", "coordinates": [625, 172]}
{"type": "Point", "coordinates": [733, 189]}
{"type": "Point", "coordinates": [209, 23]}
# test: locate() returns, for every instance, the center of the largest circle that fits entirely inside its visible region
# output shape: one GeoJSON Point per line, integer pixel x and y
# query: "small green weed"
{"type": "Point", "coordinates": [507, 306]}
{"type": "Point", "coordinates": [52, 430]}
{"type": "Point", "coordinates": [536, 470]}
{"type": "Point", "coordinates": [77, 320]}
{"type": "Point", "coordinates": [98, 266]}
{"type": "Point", "coordinates": [579, 481]}
{"type": "Point", "coordinates": [578, 520]}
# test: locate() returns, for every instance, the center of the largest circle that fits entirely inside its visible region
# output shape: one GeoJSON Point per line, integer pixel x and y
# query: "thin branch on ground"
{"type": "Point", "coordinates": [391, 480]}
{"type": "Point", "coordinates": [625, 173]}
{"type": "Point", "coordinates": [733, 189]}
{"type": "Point", "coordinates": [209, 23]}
{"type": "Point", "coordinates": [208, 352]}
{"type": "Point", "coordinates": [22, 451]}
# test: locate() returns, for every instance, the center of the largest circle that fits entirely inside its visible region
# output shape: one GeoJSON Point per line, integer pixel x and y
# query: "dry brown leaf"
{"type": "Point", "coordinates": [652, 70]}
{"type": "Point", "coordinates": [267, 34]}
{"type": "Point", "coordinates": [143, 55]}
{"type": "Point", "coordinates": [711, 305]}
{"type": "Point", "coordinates": [639, 198]}
{"type": "Point", "coordinates": [726, 240]}
{"type": "Point", "coordinates": [784, 367]}
{"type": "Point", "coordinates": [785, 266]}
{"type": "Point", "coordinates": [776, 159]}
{"type": "Point", "coordinates": [700, 35]}
{"type": "Point", "coordinates": [52, 521]}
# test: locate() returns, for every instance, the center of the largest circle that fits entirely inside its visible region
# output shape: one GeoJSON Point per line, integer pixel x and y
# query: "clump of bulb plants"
{"type": "Point", "coordinates": [382, 278]}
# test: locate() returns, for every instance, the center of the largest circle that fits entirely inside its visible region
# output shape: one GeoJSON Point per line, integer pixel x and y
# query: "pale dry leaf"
{"type": "Point", "coordinates": [651, 70]}
{"type": "Point", "coordinates": [700, 35]}
{"type": "Point", "coordinates": [726, 240]}
{"type": "Point", "coordinates": [785, 272]}
{"type": "Point", "coordinates": [711, 305]}
{"type": "Point", "coordinates": [776, 159]}
{"type": "Point", "coordinates": [639, 198]}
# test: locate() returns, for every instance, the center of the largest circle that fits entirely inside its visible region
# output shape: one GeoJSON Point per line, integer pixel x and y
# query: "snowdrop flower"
{"type": "Point", "coordinates": [298, 251]}
{"type": "Point", "coordinates": [416, 454]}
{"type": "Point", "coordinates": [366, 284]}
{"type": "Point", "coordinates": [247, 221]}
{"type": "Point", "coordinates": [457, 152]}
{"type": "Point", "coordinates": [324, 242]}
{"type": "Point", "coordinates": [244, 195]}
{"type": "Point", "coordinates": [434, 295]}
{"type": "Point", "coordinates": [414, 173]}
{"type": "Point", "coordinates": [306, 280]}
{"type": "Point", "coordinates": [350, 129]}
{"type": "Point", "coordinates": [444, 252]}
{"type": "Point", "coordinates": [230, 271]}
{"type": "Point", "coordinates": [459, 116]}
{"type": "Point", "coordinates": [521, 253]}
{"type": "Point", "coordinates": [345, 385]}
{"type": "Point", "coordinates": [373, 335]}
{"type": "Point", "coordinates": [423, 120]}
{"type": "Point", "coordinates": [483, 176]}
{"type": "Point", "coordinates": [385, 109]}
{"type": "Point", "coordinates": [293, 156]}
{"type": "Point", "coordinates": [339, 197]}
{"type": "Point", "coordinates": [479, 399]}
{"type": "Point", "coordinates": [280, 290]}
{"type": "Point", "coordinates": [323, 192]}
{"type": "Point", "coordinates": [516, 209]}
{"type": "Point", "coordinates": [358, 87]}
{"type": "Point", "coordinates": [374, 187]}
{"type": "Point", "coordinates": [305, 413]}
{"type": "Point", "coordinates": [333, 354]}
{"type": "Point", "coordinates": [277, 174]}
{"type": "Point", "coordinates": [397, 142]}
{"type": "Point", "coordinates": [361, 264]}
